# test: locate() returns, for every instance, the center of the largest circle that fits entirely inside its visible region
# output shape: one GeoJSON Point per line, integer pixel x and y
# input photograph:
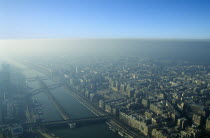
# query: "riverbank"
{"type": "Point", "coordinates": [74, 108]}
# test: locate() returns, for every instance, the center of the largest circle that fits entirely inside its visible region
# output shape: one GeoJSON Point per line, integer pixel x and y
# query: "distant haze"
{"type": "Point", "coordinates": [172, 49]}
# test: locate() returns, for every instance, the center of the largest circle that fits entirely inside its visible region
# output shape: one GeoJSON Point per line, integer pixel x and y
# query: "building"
{"type": "Point", "coordinates": [145, 103]}
{"type": "Point", "coordinates": [208, 124]}
{"type": "Point", "coordinates": [133, 122]}
{"type": "Point", "coordinates": [101, 104]}
{"type": "Point", "coordinates": [182, 123]}
{"type": "Point", "coordinates": [158, 133]}
{"type": "Point", "coordinates": [197, 119]}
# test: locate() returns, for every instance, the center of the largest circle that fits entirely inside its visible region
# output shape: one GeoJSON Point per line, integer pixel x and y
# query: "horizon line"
{"type": "Point", "coordinates": [107, 38]}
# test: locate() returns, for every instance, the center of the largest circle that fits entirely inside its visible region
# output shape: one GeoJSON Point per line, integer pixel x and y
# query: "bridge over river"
{"type": "Point", "coordinates": [79, 121]}
{"type": "Point", "coordinates": [58, 123]}
{"type": "Point", "coordinates": [37, 91]}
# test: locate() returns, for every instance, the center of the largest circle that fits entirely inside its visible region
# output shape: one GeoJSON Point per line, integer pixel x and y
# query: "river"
{"type": "Point", "coordinates": [72, 107]}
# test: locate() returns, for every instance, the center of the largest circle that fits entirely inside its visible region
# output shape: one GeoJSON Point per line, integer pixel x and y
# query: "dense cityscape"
{"type": "Point", "coordinates": [137, 97]}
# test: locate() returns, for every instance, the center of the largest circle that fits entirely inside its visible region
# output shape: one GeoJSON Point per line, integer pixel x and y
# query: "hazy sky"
{"type": "Point", "coordinates": [104, 18]}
